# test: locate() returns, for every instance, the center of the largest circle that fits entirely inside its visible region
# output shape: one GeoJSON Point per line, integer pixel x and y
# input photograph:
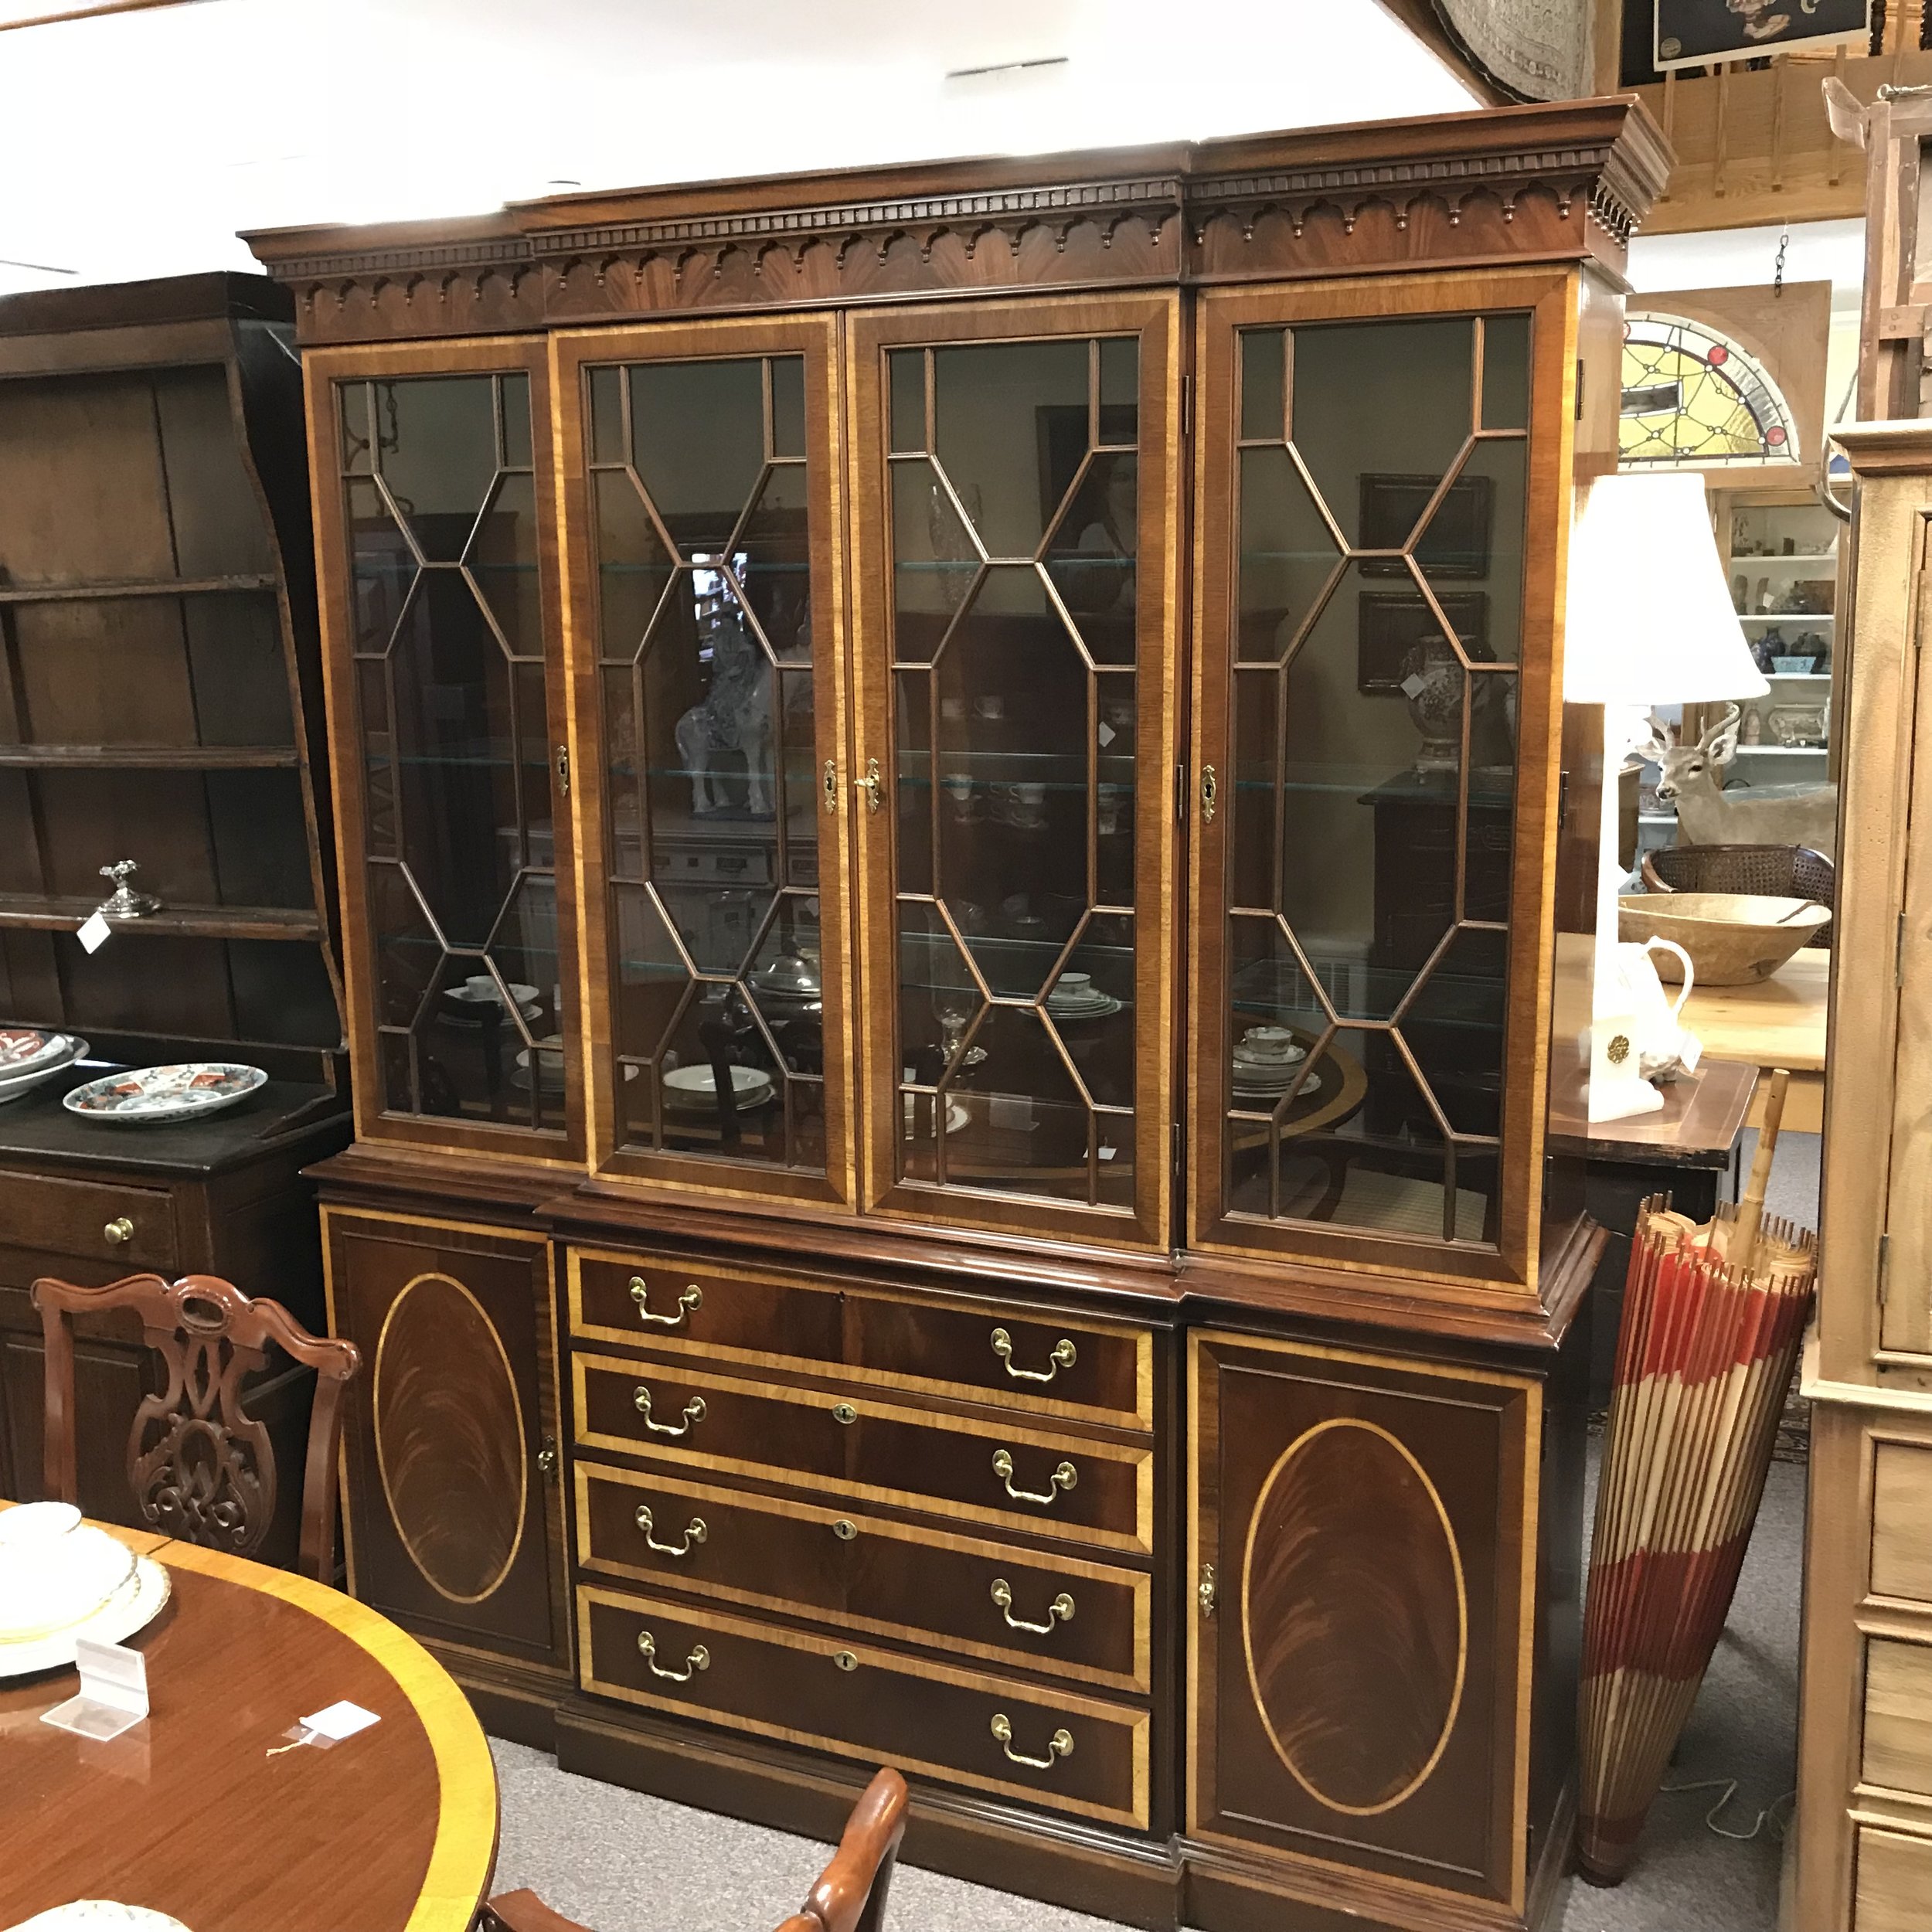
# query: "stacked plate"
{"type": "Point", "coordinates": [695, 1089]}
{"type": "Point", "coordinates": [28, 1057]}
{"type": "Point", "coordinates": [61, 1578]}
{"type": "Point", "coordinates": [1266, 1064]}
{"type": "Point", "coordinates": [1075, 997]}
{"type": "Point", "coordinates": [477, 1000]}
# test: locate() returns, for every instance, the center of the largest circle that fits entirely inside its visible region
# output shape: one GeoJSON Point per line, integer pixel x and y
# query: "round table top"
{"type": "Point", "coordinates": [392, 1830]}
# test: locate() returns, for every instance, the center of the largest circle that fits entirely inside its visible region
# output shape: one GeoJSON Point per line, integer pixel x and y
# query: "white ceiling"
{"type": "Point", "coordinates": [137, 144]}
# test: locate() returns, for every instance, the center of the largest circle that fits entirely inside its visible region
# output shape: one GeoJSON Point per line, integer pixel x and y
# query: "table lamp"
{"type": "Point", "coordinates": [1650, 622]}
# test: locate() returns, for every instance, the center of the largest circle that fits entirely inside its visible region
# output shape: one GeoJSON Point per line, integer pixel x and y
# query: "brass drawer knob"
{"type": "Point", "coordinates": [118, 1232]}
{"type": "Point", "coordinates": [843, 1412]}
{"type": "Point", "coordinates": [546, 1455]}
{"type": "Point", "coordinates": [845, 1529]}
{"type": "Point", "coordinates": [1062, 1356]}
{"type": "Point", "coordinates": [699, 1659]}
{"type": "Point", "coordinates": [693, 1411]}
{"type": "Point", "coordinates": [692, 1299]}
{"type": "Point", "coordinates": [1063, 1478]}
{"type": "Point", "coordinates": [694, 1533]}
{"type": "Point", "coordinates": [1060, 1611]}
{"type": "Point", "coordinates": [845, 1659]}
{"type": "Point", "coordinates": [1059, 1746]}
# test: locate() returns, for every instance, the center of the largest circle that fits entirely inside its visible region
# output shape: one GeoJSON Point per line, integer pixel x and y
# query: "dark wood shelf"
{"type": "Point", "coordinates": [76, 593]}
{"type": "Point", "coordinates": [150, 757]}
{"type": "Point", "coordinates": [173, 921]}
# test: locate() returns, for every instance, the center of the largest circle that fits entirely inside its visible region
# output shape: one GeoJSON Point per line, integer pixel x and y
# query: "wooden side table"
{"type": "Point", "coordinates": [1689, 1149]}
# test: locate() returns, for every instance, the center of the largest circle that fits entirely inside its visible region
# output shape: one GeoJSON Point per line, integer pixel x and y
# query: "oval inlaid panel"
{"type": "Point", "coordinates": [1354, 1616]}
{"type": "Point", "coordinates": [449, 1438]}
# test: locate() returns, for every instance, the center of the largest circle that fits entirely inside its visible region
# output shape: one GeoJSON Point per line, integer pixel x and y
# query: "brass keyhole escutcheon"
{"type": "Point", "coordinates": [843, 1412]}
{"type": "Point", "coordinates": [871, 785]}
{"type": "Point", "coordinates": [1210, 794]}
{"type": "Point", "coordinates": [831, 786]}
{"type": "Point", "coordinates": [845, 1660]}
{"type": "Point", "coordinates": [1205, 1590]}
{"type": "Point", "coordinates": [546, 1455]}
{"type": "Point", "coordinates": [845, 1529]}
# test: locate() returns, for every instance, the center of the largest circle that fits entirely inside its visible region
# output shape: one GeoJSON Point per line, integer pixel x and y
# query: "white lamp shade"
{"type": "Point", "coordinates": [1650, 615]}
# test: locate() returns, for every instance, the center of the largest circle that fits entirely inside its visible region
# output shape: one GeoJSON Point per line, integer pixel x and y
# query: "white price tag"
{"type": "Point", "coordinates": [94, 933]}
{"type": "Point", "coordinates": [340, 1720]}
{"type": "Point", "coordinates": [1106, 734]}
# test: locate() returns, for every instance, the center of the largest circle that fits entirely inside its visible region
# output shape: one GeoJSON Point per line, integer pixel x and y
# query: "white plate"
{"type": "Point", "coordinates": [958, 1115]}
{"type": "Point", "coordinates": [155, 1096]}
{"type": "Point", "coordinates": [552, 1066]}
{"type": "Point", "coordinates": [1102, 1006]}
{"type": "Point", "coordinates": [1262, 1063]}
{"type": "Point", "coordinates": [473, 1022]}
{"type": "Point", "coordinates": [696, 1087]}
{"type": "Point", "coordinates": [55, 1570]}
{"type": "Point", "coordinates": [100, 1915]}
{"type": "Point", "coordinates": [13, 1086]}
{"type": "Point", "coordinates": [134, 1606]}
{"type": "Point", "coordinates": [1268, 1096]}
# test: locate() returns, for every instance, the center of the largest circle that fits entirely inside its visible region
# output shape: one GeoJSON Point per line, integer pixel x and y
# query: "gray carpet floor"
{"type": "Point", "coordinates": [623, 1863]}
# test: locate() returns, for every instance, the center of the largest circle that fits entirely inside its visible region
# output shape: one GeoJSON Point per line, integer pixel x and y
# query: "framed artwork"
{"type": "Point", "coordinates": [1693, 33]}
{"type": "Point", "coordinates": [1390, 623]}
{"type": "Point", "coordinates": [1455, 543]}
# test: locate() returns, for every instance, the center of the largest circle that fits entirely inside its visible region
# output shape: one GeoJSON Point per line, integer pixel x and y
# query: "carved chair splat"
{"type": "Point", "coordinates": [849, 1896]}
{"type": "Point", "coordinates": [201, 1467]}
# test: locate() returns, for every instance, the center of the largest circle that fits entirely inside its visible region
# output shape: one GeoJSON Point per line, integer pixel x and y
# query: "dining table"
{"type": "Point", "coordinates": [205, 1810]}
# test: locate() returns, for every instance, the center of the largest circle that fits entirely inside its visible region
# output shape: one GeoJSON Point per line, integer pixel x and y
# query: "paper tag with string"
{"type": "Point", "coordinates": [326, 1728]}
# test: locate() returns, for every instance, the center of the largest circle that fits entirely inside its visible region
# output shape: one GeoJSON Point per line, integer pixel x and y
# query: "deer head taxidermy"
{"type": "Point", "coordinates": [1708, 814]}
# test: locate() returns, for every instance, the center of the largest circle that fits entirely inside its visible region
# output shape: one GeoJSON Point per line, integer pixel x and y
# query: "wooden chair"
{"type": "Point", "coordinates": [850, 1895]}
{"type": "Point", "coordinates": [200, 1467]}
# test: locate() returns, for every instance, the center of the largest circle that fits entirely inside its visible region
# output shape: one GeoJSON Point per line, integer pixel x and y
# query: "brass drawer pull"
{"type": "Point", "coordinates": [870, 785]}
{"type": "Point", "coordinates": [694, 1534]}
{"type": "Point", "coordinates": [1062, 1356]}
{"type": "Point", "coordinates": [693, 1411]}
{"type": "Point", "coordinates": [1059, 1746]}
{"type": "Point", "coordinates": [1061, 1609]}
{"type": "Point", "coordinates": [692, 1297]}
{"type": "Point", "coordinates": [699, 1659]}
{"type": "Point", "coordinates": [845, 1529]}
{"type": "Point", "coordinates": [546, 1455]}
{"type": "Point", "coordinates": [118, 1232]}
{"type": "Point", "coordinates": [1063, 1478]}
{"type": "Point", "coordinates": [843, 1412]}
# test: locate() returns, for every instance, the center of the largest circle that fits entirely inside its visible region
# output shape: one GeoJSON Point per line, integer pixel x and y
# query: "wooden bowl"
{"type": "Point", "coordinates": [1734, 939]}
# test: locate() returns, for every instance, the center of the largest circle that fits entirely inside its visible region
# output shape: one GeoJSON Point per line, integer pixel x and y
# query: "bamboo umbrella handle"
{"type": "Point", "coordinates": [1743, 1250]}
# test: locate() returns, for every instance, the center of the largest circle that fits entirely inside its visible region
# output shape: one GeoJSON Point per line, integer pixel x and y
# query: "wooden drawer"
{"type": "Point", "coordinates": [1894, 1882]}
{"type": "Point", "coordinates": [869, 1704]}
{"type": "Point", "coordinates": [862, 1573]}
{"type": "Point", "coordinates": [49, 1217]}
{"type": "Point", "coordinates": [1901, 1507]}
{"type": "Point", "coordinates": [1051, 1485]}
{"type": "Point", "coordinates": [1898, 1717]}
{"type": "Point", "coordinates": [1049, 1364]}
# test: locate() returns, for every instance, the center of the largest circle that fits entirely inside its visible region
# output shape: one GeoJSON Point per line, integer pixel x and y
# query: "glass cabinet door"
{"type": "Point", "coordinates": [1015, 598]}
{"type": "Point", "coordinates": [436, 597]}
{"type": "Point", "coordinates": [699, 462]}
{"type": "Point", "coordinates": [1375, 725]}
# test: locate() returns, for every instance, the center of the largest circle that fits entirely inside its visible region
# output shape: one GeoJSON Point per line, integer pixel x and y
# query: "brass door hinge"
{"type": "Point", "coordinates": [564, 770]}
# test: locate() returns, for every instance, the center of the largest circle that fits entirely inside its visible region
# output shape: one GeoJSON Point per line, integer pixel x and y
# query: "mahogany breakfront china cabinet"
{"type": "Point", "coordinates": [949, 788]}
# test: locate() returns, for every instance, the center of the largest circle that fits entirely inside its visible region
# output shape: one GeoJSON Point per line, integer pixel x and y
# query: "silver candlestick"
{"type": "Point", "coordinates": [123, 902]}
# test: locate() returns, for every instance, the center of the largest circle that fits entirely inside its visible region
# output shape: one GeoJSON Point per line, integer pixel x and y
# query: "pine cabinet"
{"type": "Point", "coordinates": [953, 803]}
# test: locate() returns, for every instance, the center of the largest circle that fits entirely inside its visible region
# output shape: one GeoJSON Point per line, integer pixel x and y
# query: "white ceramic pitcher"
{"type": "Point", "coordinates": [1663, 1048]}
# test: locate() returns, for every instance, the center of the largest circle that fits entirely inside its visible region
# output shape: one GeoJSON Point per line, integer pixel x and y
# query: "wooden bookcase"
{"type": "Point", "coordinates": [160, 703]}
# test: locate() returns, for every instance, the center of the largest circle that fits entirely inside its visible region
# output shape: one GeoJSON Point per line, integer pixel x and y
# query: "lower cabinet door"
{"type": "Point", "coordinates": [1363, 1540]}
{"type": "Point", "coordinates": [1049, 1746]}
{"type": "Point", "coordinates": [454, 1510]}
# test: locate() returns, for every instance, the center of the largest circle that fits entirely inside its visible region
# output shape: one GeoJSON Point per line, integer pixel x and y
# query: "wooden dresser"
{"type": "Point", "coordinates": [917, 1196]}
{"type": "Point", "coordinates": [1865, 1745]}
